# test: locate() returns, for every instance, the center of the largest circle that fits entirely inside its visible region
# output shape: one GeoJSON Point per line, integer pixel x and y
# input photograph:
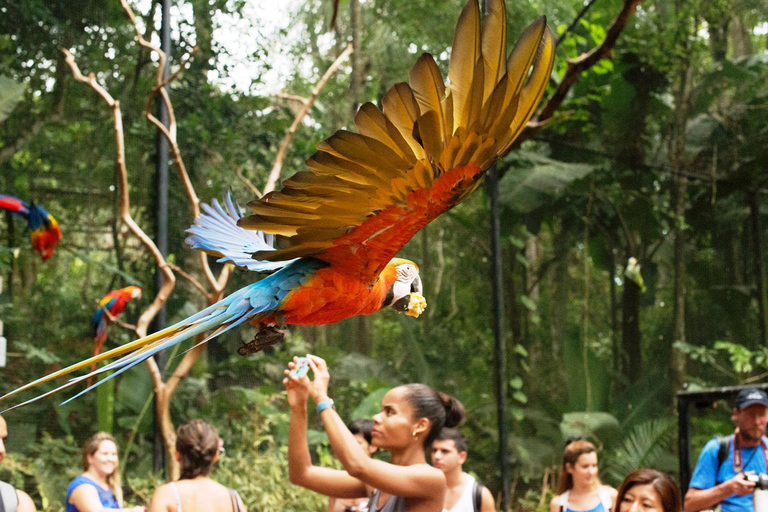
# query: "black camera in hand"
{"type": "Point", "coordinates": [760, 479]}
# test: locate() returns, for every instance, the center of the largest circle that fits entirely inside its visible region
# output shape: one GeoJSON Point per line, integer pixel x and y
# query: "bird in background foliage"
{"type": "Point", "coordinates": [109, 309]}
{"type": "Point", "coordinates": [44, 231]}
{"type": "Point", "coordinates": [331, 233]}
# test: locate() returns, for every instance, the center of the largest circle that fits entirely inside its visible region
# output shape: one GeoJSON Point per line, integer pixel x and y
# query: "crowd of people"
{"type": "Point", "coordinates": [415, 422]}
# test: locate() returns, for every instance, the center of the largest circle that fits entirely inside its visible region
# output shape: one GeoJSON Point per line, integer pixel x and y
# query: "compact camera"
{"type": "Point", "coordinates": [760, 479]}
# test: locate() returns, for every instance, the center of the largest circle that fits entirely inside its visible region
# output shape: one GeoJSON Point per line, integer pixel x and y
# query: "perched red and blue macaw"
{"type": "Point", "coordinates": [109, 309]}
{"type": "Point", "coordinates": [339, 225]}
{"type": "Point", "coordinates": [44, 231]}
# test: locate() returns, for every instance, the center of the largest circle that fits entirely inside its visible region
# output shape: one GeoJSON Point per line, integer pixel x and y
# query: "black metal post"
{"type": "Point", "coordinates": [684, 441]}
{"type": "Point", "coordinates": [499, 352]}
{"type": "Point", "coordinates": [161, 212]}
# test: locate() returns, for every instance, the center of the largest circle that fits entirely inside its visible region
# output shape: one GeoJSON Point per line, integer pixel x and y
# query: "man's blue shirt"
{"type": "Point", "coordinates": [704, 476]}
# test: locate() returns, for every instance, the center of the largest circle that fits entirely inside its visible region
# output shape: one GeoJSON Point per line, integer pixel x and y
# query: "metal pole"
{"type": "Point", "coordinates": [684, 441]}
{"type": "Point", "coordinates": [161, 212]}
{"type": "Point", "coordinates": [499, 352]}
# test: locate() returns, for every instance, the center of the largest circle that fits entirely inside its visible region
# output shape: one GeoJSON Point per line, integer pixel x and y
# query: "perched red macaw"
{"type": "Point", "coordinates": [44, 231]}
{"type": "Point", "coordinates": [109, 309]}
{"type": "Point", "coordinates": [340, 224]}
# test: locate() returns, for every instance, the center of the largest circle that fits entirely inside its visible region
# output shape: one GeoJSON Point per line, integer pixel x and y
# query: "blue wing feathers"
{"type": "Point", "coordinates": [216, 232]}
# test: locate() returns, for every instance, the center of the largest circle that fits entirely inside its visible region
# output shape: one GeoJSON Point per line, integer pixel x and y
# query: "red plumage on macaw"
{"type": "Point", "coordinates": [44, 231]}
{"type": "Point", "coordinates": [339, 225]}
{"type": "Point", "coordinates": [109, 309]}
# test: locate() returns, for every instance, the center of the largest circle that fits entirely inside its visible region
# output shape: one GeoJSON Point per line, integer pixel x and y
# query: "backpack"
{"type": "Point", "coordinates": [9, 501]}
{"type": "Point", "coordinates": [724, 449]}
{"type": "Point", "coordinates": [477, 495]}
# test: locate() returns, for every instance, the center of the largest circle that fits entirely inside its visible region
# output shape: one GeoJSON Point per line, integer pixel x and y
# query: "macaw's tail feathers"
{"type": "Point", "coordinates": [14, 205]}
{"type": "Point", "coordinates": [216, 232]}
{"type": "Point", "coordinates": [98, 341]}
{"type": "Point", "coordinates": [218, 318]}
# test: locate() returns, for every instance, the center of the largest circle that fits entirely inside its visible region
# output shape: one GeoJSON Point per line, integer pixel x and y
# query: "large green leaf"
{"type": "Point", "coordinates": [600, 426]}
{"type": "Point", "coordinates": [11, 92]}
{"type": "Point", "coordinates": [533, 180]}
{"type": "Point", "coordinates": [648, 445]}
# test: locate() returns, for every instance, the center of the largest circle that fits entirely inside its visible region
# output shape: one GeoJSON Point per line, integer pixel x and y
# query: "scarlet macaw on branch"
{"type": "Point", "coordinates": [109, 309]}
{"type": "Point", "coordinates": [44, 231]}
{"type": "Point", "coordinates": [339, 225]}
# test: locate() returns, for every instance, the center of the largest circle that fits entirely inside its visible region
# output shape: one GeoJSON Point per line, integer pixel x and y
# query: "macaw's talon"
{"type": "Point", "coordinates": [267, 336]}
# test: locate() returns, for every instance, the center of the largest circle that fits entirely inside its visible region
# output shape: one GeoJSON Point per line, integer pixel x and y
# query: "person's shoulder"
{"type": "Point", "coordinates": [78, 481]}
{"type": "Point", "coordinates": [712, 447]}
{"type": "Point", "coordinates": [555, 503]}
{"type": "Point", "coordinates": [557, 500]}
{"type": "Point", "coordinates": [609, 490]}
{"type": "Point", "coordinates": [162, 496]}
{"type": "Point", "coordinates": [25, 502]}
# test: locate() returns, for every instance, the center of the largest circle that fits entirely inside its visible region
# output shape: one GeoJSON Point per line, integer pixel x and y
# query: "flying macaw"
{"type": "Point", "coordinates": [339, 225]}
{"type": "Point", "coordinates": [109, 309]}
{"type": "Point", "coordinates": [44, 231]}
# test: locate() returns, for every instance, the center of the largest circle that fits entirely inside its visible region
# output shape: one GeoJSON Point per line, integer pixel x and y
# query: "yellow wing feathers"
{"type": "Point", "coordinates": [424, 130]}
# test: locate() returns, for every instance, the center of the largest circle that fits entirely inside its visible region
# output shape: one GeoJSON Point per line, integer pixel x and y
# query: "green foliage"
{"type": "Point", "coordinates": [10, 94]}
{"type": "Point", "coordinates": [647, 445]}
{"type": "Point", "coordinates": [593, 190]}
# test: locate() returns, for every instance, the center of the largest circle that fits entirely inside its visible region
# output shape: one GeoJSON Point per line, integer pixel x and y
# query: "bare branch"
{"type": "Point", "coordinates": [239, 174]}
{"type": "Point", "coordinates": [122, 179]}
{"type": "Point", "coordinates": [577, 66]}
{"type": "Point", "coordinates": [189, 278]}
{"type": "Point", "coordinates": [292, 97]}
{"type": "Point", "coordinates": [274, 174]}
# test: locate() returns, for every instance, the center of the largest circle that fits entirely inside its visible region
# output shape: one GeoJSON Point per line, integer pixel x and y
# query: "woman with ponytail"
{"type": "Point", "coordinates": [411, 417]}
{"type": "Point", "coordinates": [198, 446]}
{"type": "Point", "coordinates": [98, 487]}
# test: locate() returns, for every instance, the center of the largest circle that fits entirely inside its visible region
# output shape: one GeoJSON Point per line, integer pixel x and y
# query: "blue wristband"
{"type": "Point", "coordinates": [324, 404]}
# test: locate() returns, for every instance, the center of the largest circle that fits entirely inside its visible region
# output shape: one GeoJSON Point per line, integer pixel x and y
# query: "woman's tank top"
{"type": "Point", "coordinates": [393, 504]}
{"type": "Point", "coordinates": [603, 506]}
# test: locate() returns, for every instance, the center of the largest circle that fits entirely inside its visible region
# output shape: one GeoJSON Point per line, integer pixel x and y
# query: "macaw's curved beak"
{"type": "Point", "coordinates": [416, 286]}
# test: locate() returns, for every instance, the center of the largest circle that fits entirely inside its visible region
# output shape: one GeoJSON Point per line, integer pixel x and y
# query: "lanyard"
{"type": "Point", "coordinates": [737, 461]}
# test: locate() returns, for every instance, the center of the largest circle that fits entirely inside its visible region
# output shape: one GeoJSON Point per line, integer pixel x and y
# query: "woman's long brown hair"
{"type": "Point", "coordinates": [573, 451]}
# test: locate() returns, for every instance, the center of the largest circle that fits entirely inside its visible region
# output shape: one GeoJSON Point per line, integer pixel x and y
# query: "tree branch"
{"type": "Point", "coordinates": [576, 67]}
{"type": "Point", "coordinates": [169, 278]}
{"type": "Point", "coordinates": [274, 174]}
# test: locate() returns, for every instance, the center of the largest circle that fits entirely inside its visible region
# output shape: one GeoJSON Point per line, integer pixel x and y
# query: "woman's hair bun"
{"type": "Point", "coordinates": [454, 410]}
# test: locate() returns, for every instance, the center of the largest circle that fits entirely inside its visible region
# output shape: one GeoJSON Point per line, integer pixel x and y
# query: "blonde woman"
{"type": "Point", "coordinates": [98, 487]}
{"type": "Point", "coordinates": [580, 488]}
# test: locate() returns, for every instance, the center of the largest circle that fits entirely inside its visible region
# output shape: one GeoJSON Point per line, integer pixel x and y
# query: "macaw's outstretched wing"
{"type": "Point", "coordinates": [367, 194]}
{"type": "Point", "coordinates": [216, 232]}
{"type": "Point", "coordinates": [14, 205]}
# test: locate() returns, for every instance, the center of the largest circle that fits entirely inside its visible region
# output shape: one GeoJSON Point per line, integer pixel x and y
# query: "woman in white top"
{"type": "Point", "coordinates": [580, 489]}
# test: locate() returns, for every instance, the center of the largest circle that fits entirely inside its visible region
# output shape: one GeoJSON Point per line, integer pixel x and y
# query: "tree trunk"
{"type": "Point", "coordinates": [356, 80]}
{"type": "Point", "coordinates": [678, 363]}
{"type": "Point", "coordinates": [740, 38]}
{"type": "Point", "coordinates": [680, 201]}
{"type": "Point", "coordinates": [632, 360]}
{"type": "Point", "coordinates": [559, 283]}
{"type": "Point", "coordinates": [759, 266]}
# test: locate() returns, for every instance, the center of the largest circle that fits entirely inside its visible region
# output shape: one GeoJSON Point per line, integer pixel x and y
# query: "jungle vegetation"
{"type": "Point", "coordinates": [632, 231]}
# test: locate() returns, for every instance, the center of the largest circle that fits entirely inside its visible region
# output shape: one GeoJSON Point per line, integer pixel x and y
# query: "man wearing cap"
{"type": "Point", "coordinates": [719, 477]}
{"type": "Point", "coordinates": [11, 500]}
